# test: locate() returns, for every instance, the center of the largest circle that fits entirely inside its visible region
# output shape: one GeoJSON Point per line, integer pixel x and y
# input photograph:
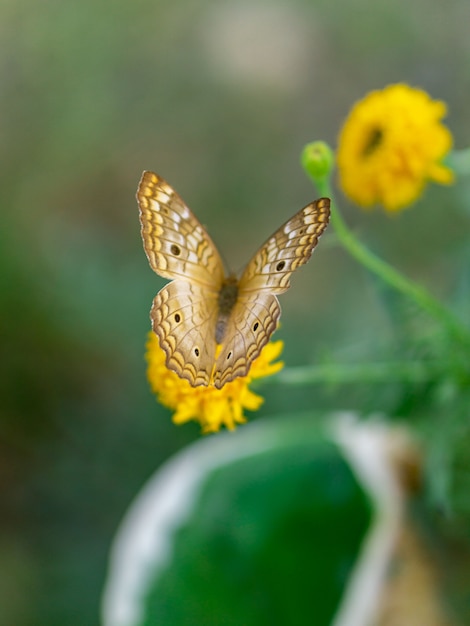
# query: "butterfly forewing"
{"type": "Point", "coordinates": [176, 243]}
{"type": "Point", "coordinates": [287, 249]}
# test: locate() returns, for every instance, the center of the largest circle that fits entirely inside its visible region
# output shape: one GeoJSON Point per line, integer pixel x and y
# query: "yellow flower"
{"type": "Point", "coordinates": [391, 145]}
{"type": "Point", "coordinates": [211, 407]}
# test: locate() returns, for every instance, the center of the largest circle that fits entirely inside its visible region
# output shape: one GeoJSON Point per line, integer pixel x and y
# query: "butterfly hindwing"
{"type": "Point", "coordinates": [184, 317]}
{"type": "Point", "coordinates": [252, 322]}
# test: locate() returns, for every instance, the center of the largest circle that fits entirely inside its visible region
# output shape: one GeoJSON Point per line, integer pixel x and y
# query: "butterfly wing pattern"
{"type": "Point", "coordinates": [287, 249]}
{"type": "Point", "coordinates": [187, 314]}
{"type": "Point", "coordinates": [184, 317]}
{"type": "Point", "coordinates": [176, 243]}
{"type": "Point", "coordinates": [255, 315]}
{"type": "Point", "coordinates": [184, 312]}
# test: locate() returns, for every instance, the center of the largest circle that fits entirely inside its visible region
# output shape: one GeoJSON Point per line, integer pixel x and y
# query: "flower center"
{"type": "Point", "coordinates": [373, 141]}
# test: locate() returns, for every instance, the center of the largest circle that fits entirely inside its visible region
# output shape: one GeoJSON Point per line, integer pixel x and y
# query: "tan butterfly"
{"type": "Point", "coordinates": [212, 326]}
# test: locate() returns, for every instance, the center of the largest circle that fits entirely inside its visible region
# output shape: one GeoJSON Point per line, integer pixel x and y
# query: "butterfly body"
{"type": "Point", "coordinates": [226, 300]}
{"type": "Point", "coordinates": [212, 326]}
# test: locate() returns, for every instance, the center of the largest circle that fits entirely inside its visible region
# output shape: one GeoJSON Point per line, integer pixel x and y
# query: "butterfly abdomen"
{"type": "Point", "coordinates": [228, 295]}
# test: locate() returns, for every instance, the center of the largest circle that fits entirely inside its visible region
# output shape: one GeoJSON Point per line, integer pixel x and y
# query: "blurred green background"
{"type": "Point", "coordinates": [219, 98]}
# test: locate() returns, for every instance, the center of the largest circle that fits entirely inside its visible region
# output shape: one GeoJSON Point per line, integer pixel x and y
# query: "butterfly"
{"type": "Point", "coordinates": [212, 326]}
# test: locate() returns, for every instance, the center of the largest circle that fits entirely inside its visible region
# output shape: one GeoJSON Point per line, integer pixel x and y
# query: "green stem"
{"type": "Point", "coordinates": [413, 372]}
{"type": "Point", "coordinates": [389, 274]}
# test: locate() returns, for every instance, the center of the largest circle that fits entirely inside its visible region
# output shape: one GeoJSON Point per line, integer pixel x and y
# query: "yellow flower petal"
{"type": "Point", "coordinates": [211, 407]}
{"type": "Point", "coordinates": [391, 145]}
